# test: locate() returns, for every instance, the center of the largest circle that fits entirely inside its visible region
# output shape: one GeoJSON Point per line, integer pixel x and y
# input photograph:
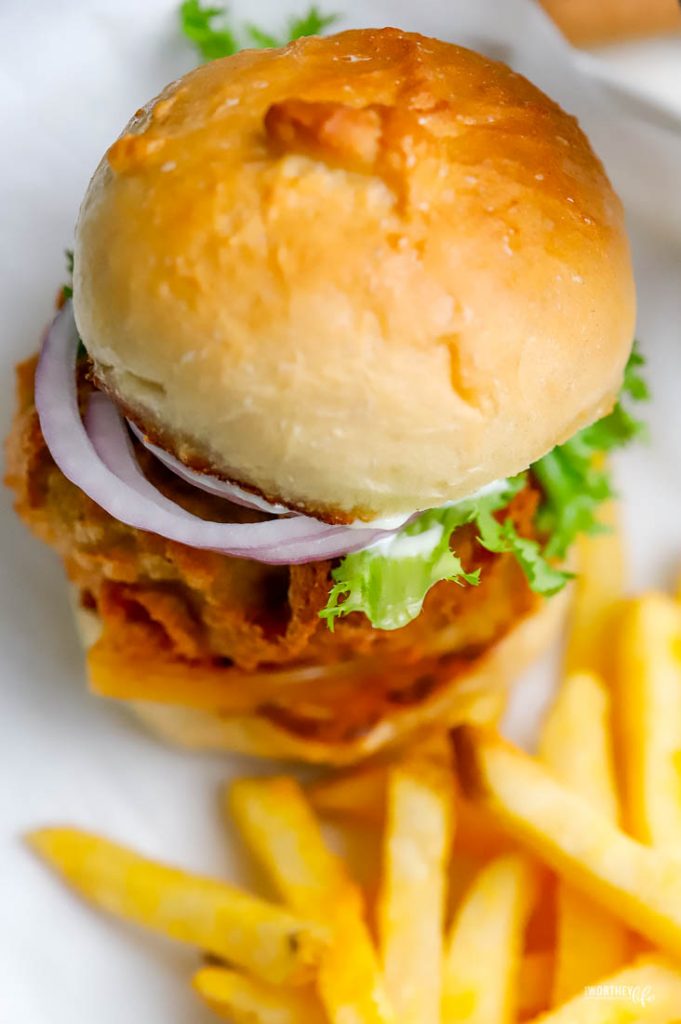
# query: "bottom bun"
{"type": "Point", "coordinates": [471, 694]}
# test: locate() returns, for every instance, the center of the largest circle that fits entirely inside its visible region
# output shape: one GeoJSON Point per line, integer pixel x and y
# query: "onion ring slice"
{"type": "Point", "coordinates": [110, 475]}
{"type": "Point", "coordinates": [210, 484]}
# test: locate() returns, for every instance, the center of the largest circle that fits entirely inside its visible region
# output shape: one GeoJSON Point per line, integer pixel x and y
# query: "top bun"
{"type": "Point", "coordinates": [362, 275]}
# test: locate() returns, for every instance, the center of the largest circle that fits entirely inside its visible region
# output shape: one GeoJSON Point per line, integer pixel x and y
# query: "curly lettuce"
{"type": "Point", "coordinates": [388, 581]}
{"type": "Point", "coordinates": [574, 477]}
{"type": "Point", "coordinates": [67, 289]}
{"type": "Point", "coordinates": [214, 35]}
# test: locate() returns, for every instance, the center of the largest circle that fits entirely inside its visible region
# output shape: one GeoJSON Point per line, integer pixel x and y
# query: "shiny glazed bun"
{"type": "Point", "coordinates": [362, 274]}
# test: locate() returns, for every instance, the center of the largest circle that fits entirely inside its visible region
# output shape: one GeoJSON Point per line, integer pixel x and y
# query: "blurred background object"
{"type": "Point", "coordinates": [592, 22]}
{"type": "Point", "coordinates": [633, 47]}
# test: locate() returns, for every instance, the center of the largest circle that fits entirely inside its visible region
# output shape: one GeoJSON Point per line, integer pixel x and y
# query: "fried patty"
{"type": "Point", "coordinates": [203, 611]}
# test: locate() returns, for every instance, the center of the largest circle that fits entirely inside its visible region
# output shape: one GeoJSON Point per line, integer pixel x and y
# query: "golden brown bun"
{"type": "Point", "coordinates": [469, 696]}
{"type": "Point", "coordinates": [364, 274]}
{"type": "Point", "coordinates": [602, 21]}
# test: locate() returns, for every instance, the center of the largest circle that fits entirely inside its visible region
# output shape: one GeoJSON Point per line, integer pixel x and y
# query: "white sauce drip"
{"type": "Point", "coordinates": [417, 545]}
{"type": "Point", "coordinates": [396, 521]}
{"type": "Point", "coordinates": [382, 523]}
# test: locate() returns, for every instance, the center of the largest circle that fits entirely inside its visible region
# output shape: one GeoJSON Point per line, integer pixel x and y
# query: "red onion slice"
{"type": "Point", "coordinates": [210, 484]}
{"type": "Point", "coordinates": [108, 473]}
{"type": "Point", "coordinates": [238, 496]}
{"type": "Point", "coordinates": [111, 441]}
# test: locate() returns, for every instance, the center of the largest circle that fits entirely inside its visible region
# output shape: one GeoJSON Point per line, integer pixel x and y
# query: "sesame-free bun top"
{"type": "Point", "coordinates": [362, 274]}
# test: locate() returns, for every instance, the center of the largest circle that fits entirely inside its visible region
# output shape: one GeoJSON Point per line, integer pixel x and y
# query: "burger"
{"type": "Point", "coordinates": [319, 421]}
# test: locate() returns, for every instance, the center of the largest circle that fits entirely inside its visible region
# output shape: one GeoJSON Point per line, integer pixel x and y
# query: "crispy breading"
{"type": "Point", "coordinates": [165, 601]}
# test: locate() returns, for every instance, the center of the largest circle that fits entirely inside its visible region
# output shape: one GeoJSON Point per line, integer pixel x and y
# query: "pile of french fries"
{"type": "Point", "coordinates": [496, 886]}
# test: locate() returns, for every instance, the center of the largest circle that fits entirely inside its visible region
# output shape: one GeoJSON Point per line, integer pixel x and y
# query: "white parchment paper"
{"type": "Point", "coordinates": [70, 75]}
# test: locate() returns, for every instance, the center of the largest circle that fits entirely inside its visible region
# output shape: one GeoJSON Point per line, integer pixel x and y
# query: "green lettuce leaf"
{"type": "Point", "coordinates": [575, 479]}
{"type": "Point", "coordinates": [262, 39]}
{"type": "Point", "coordinates": [214, 35]}
{"type": "Point", "coordinates": [313, 23]}
{"type": "Point", "coordinates": [208, 28]}
{"type": "Point", "coordinates": [503, 538]}
{"type": "Point", "coordinates": [67, 293]}
{"type": "Point", "coordinates": [67, 289]}
{"type": "Point", "coordinates": [388, 582]}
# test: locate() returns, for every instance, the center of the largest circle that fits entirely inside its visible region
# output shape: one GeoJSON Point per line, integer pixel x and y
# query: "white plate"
{"type": "Point", "coordinates": [70, 75]}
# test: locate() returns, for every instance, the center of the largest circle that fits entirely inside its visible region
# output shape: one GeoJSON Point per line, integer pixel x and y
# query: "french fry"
{"type": "Point", "coordinates": [483, 955]}
{"type": "Point", "coordinates": [462, 871]}
{"type": "Point", "coordinates": [535, 981]}
{"type": "Point", "coordinates": [411, 905]}
{"type": "Point", "coordinates": [477, 834]}
{"type": "Point", "coordinates": [576, 742]}
{"type": "Point", "coordinates": [646, 992]}
{"type": "Point", "coordinates": [639, 885]}
{"type": "Point", "coordinates": [648, 721]}
{"type": "Point", "coordinates": [280, 828]}
{"type": "Point", "coordinates": [267, 940]}
{"type": "Point", "coordinates": [358, 794]}
{"type": "Point", "coordinates": [576, 745]}
{"type": "Point", "coordinates": [591, 943]}
{"type": "Point", "coordinates": [540, 934]}
{"type": "Point", "coordinates": [244, 1000]}
{"type": "Point", "coordinates": [598, 589]}
{"type": "Point", "coordinates": [489, 706]}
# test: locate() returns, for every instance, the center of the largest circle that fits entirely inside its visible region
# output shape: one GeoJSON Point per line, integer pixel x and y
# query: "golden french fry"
{"type": "Point", "coordinates": [477, 833]}
{"type": "Point", "coordinates": [646, 992]}
{"type": "Point", "coordinates": [648, 720]}
{"type": "Point", "coordinates": [591, 943]}
{"type": "Point", "coordinates": [279, 826]}
{"type": "Point", "coordinates": [639, 885]}
{"type": "Point", "coordinates": [540, 934]}
{"type": "Point", "coordinates": [484, 948]}
{"type": "Point", "coordinates": [576, 745]}
{"type": "Point", "coordinates": [576, 742]}
{"type": "Point", "coordinates": [534, 983]}
{"type": "Point", "coordinates": [598, 589]}
{"type": "Point", "coordinates": [411, 905]}
{"type": "Point", "coordinates": [267, 940]}
{"type": "Point", "coordinates": [462, 871]}
{"type": "Point", "coordinates": [489, 706]}
{"type": "Point", "coordinates": [244, 1000]}
{"type": "Point", "coordinates": [358, 794]}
